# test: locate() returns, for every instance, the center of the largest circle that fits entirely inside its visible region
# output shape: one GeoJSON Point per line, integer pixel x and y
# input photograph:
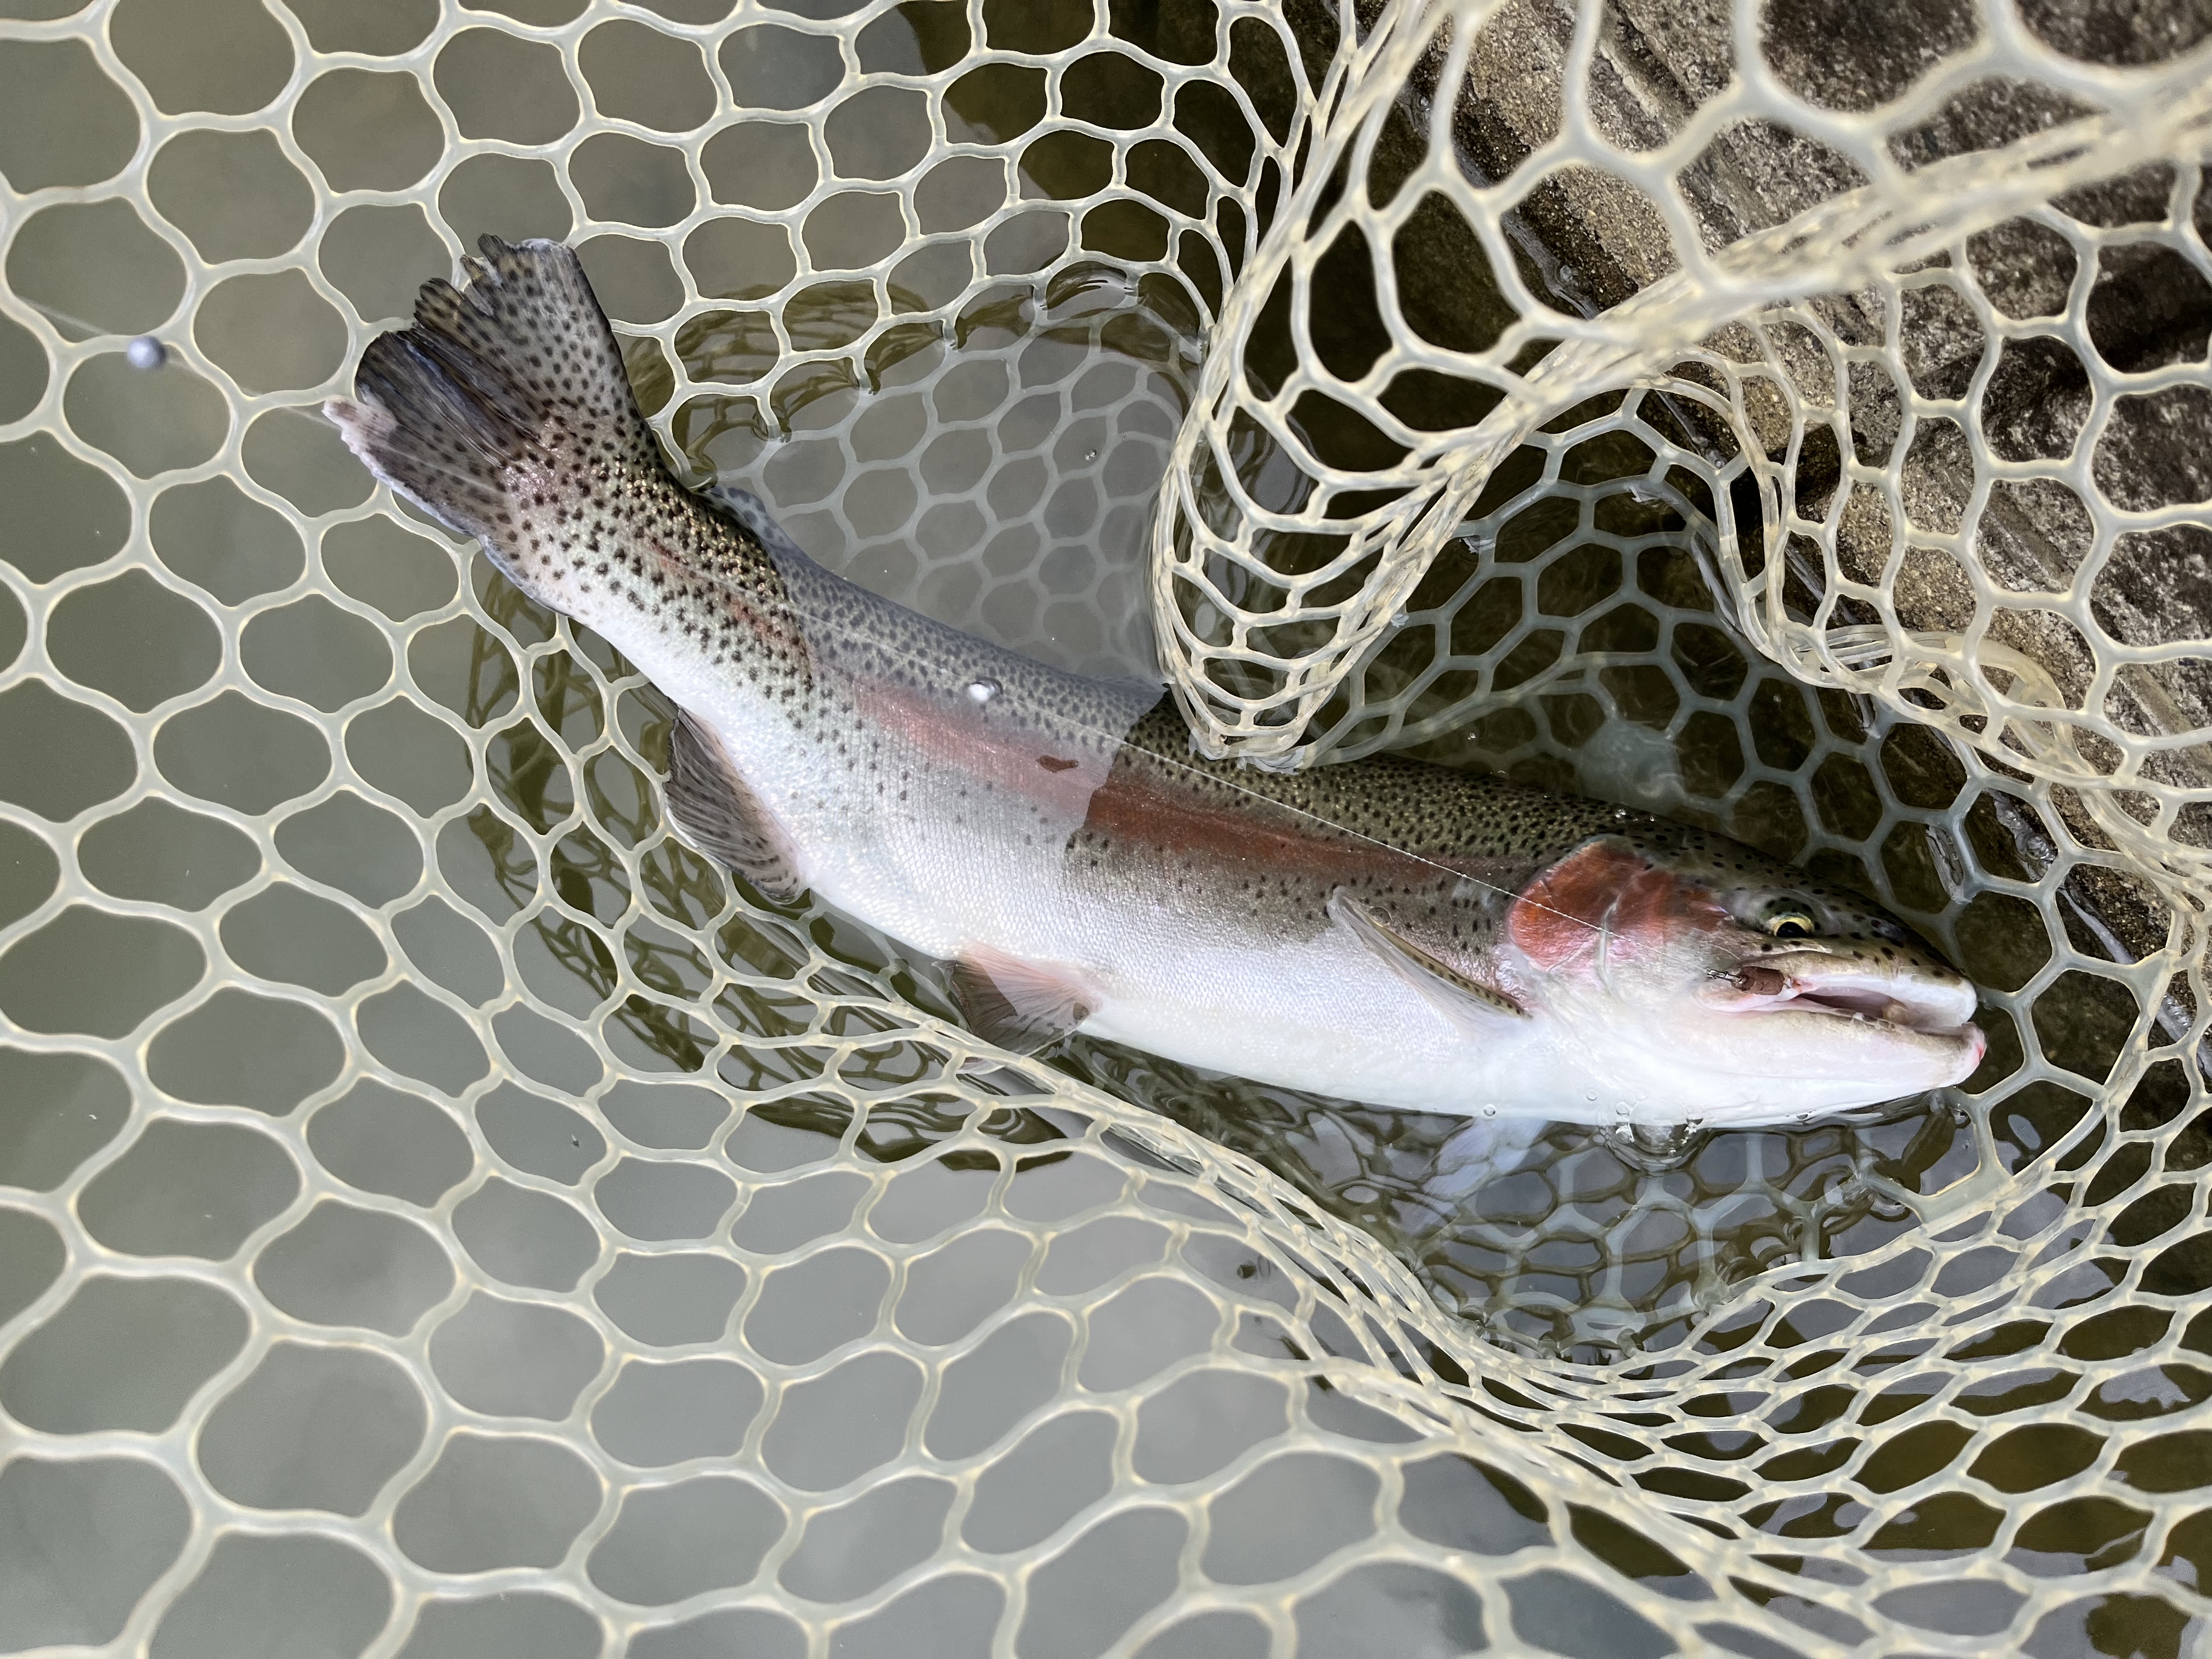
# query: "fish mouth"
{"type": "Point", "coordinates": [1814, 983]}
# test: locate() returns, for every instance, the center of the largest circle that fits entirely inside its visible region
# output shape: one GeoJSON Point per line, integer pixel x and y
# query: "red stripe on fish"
{"type": "Point", "coordinates": [1054, 771]}
{"type": "Point", "coordinates": [1242, 829]}
{"type": "Point", "coordinates": [1130, 798]}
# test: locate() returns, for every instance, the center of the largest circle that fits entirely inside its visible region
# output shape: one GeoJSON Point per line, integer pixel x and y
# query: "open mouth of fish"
{"type": "Point", "coordinates": [1809, 982]}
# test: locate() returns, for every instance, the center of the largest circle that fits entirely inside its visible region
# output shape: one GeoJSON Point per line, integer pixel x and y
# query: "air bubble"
{"type": "Point", "coordinates": [146, 352]}
{"type": "Point", "coordinates": [983, 691]}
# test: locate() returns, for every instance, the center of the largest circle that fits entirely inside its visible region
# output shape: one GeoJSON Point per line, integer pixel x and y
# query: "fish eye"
{"type": "Point", "coordinates": [1789, 924]}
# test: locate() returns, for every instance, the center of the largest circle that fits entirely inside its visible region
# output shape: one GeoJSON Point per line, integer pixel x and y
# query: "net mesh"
{"type": "Point", "coordinates": [441, 1215]}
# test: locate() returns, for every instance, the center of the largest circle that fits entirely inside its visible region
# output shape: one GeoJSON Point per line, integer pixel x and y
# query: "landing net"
{"type": "Point", "coordinates": [440, 1215]}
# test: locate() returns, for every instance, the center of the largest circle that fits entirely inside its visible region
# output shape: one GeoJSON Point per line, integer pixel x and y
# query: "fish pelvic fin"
{"type": "Point", "coordinates": [1021, 1007]}
{"type": "Point", "coordinates": [1451, 992]}
{"type": "Point", "coordinates": [718, 812]}
{"type": "Point", "coordinates": [518, 367]}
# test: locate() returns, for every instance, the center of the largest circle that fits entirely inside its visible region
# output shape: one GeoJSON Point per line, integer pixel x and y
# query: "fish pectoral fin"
{"type": "Point", "coordinates": [719, 813]}
{"type": "Point", "coordinates": [1020, 1005]}
{"type": "Point", "coordinates": [1450, 992]}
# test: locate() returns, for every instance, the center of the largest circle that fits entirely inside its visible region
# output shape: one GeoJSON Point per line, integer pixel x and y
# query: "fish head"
{"type": "Point", "coordinates": [1768, 993]}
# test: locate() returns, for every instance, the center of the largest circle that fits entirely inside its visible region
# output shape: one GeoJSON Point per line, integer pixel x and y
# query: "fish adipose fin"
{"type": "Point", "coordinates": [1017, 1005]}
{"type": "Point", "coordinates": [519, 367]}
{"type": "Point", "coordinates": [1451, 992]}
{"type": "Point", "coordinates": [722, 818]}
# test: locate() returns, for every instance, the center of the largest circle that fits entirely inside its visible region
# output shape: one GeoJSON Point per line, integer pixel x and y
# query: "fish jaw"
{"type": "Point", "coordinates": [1758, 1038]}
{"type": "Point", "coordinates": [1899, 1022]}
{"type": "Point", "coordinates": [1900, 992]}
{"type": "Point", "coordinates": [1789, 1069]}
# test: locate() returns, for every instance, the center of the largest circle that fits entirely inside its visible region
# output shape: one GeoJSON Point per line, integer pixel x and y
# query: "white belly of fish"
{"type": "Point", "coordinates": [1321, 1014]}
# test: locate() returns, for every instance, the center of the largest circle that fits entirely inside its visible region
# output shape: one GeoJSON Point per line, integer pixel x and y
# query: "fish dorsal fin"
{"type": "Point", "coordinates": [720, 815]}
{"type": "Point", "coordinates": [1450, 992]}
{"type": "Point", "coordinates": [1020, 1005]}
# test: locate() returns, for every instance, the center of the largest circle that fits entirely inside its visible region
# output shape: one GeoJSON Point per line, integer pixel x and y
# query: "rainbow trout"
{"type": "Point", "coordinates": [1383, 931]}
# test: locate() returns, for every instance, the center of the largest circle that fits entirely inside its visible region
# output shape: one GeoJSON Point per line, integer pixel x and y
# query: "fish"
{"type": "Point", "coordinates": [1411, 936]}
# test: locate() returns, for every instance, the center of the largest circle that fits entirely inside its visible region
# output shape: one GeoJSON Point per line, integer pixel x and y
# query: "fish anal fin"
{"type": "Point", "coordinates": [719, 813]}
{"type": "Point", "coordinates": [1448, 990]}
{"type": "Point", "coordinates": [1018, 1005]}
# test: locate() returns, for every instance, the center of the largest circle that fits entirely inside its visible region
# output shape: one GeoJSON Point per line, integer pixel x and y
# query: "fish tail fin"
{"type": "Point", "coordinates": [519, 366]}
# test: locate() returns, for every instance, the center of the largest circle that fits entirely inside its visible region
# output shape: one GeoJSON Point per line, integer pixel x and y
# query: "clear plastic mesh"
{"type": "Point", "coordinates": [440, 1215]}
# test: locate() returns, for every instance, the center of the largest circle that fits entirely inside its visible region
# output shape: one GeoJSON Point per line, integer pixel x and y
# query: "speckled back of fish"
{"type": "Point", "coordinates": [1385, 931]}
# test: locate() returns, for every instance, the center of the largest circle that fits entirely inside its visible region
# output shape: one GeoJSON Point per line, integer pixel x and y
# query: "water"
{"type": "Point", "coordinates": [437, 1214]}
